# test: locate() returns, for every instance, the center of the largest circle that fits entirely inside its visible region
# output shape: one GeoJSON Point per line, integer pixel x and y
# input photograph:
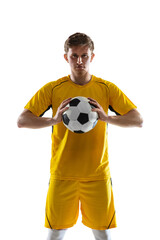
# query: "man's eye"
{"type": "Point", "coordinates": [84, 56]}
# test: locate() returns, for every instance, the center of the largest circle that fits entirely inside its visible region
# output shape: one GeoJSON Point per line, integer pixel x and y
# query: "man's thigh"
{"type": "Point", "coordinates": [62, 204]}
{"type": "Point", "coordinates": [97, 204]}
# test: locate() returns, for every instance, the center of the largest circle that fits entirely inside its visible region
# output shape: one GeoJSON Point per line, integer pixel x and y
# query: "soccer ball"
{"type": "Point", "coordinates": [79, 117]}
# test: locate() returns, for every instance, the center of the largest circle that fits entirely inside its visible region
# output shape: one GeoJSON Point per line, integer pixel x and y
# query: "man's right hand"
{"type": "Point", "coordinates": [61, 109]}
{"type": "Point", "coordinates": [28, 120]}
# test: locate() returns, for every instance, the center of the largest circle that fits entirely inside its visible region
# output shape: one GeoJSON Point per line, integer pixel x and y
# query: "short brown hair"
{"type": "Point", "coordinates": [78, 39]}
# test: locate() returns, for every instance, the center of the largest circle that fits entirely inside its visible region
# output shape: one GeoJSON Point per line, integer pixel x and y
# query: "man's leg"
{"type": "Point", "coordinates": [101, 234]}
{"type": "Point", "coordinates": [56, 234]}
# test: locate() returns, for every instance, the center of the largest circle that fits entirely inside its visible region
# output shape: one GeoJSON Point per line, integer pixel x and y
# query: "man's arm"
{"type": "Point", "coordinates": [130, 119]}
{"type": "Point", "coordinates": [28, 120]}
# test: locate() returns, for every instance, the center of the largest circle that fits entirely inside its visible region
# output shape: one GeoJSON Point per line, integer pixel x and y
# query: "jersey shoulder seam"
{"type": "Point", "coordinates": [58, 82]}
{"type": "Point", "coordinates": [102, 81]}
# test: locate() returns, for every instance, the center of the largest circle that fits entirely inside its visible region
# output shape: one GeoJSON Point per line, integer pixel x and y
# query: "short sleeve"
{"type": "Point", "coordinates": [41, 101]}
{"type": "Point", "coordinates": [118, 101]}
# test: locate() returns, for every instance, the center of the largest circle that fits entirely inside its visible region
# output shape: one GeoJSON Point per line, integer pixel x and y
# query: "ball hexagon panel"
{"type": "Point", "coordinates": [74, 126]}
{"type": "Point", "coordinates": [92, 116]}
{"type": "Point", "coordinates": [84, 107]}
{"type": "Point", "coordinates": [73, 113]}
{"type": "Point", "coordinates": [83, 99]}
{"type": "Point", "coordinates": [87, 127]}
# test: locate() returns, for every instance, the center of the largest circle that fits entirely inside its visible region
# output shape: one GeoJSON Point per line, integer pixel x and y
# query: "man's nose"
{"type": "Point", "coordinates": [79, 60]}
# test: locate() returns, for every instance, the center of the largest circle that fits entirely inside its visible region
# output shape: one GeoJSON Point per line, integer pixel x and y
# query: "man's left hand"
{"type": "Point", "coordinates": [98, 108]}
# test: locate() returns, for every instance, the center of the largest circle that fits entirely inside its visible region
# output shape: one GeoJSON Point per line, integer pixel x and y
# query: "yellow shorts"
{"type": "Point", "coordinates": [95, 199]}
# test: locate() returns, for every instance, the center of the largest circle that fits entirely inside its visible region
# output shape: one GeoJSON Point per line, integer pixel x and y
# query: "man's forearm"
{"type": "Point", "coordinates": [28, 120]}
{"type": "Point", "coordinates": [131, 119]}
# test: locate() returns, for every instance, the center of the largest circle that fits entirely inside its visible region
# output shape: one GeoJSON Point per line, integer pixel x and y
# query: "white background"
{"type": "Point", "coordinates": [127, 53]}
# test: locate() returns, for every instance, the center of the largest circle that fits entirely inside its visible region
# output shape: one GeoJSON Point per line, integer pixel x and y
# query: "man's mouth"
{"type": "Point", "coordinates": [80, 67]}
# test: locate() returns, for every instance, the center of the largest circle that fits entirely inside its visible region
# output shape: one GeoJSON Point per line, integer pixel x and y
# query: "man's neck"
{"type": "Point", "coordinates": [81, 79]}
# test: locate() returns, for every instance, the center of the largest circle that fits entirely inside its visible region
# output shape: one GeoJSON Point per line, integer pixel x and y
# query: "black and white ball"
{"type": "Point", "coordinates": [79, 117]}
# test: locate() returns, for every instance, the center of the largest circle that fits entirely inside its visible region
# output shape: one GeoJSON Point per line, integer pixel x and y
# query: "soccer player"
{"type": "Point", "coordinates": [79, 168]}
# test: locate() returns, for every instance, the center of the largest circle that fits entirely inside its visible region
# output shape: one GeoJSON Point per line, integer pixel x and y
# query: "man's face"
{"type": "Point", "coordinates": [79, 58]}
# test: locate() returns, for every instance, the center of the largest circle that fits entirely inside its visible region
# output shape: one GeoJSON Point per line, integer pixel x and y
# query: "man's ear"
{"type": "Point", "coordinates": [65, 57]}
{"type": "Point", "coordinates": [93, 55]}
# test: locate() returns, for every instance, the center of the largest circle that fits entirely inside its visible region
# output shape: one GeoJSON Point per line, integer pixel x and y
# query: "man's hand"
{"type": "Point", "coordinates": [61, 109]}
{"type": "Point", "coordinates": [28, 120]}
{"type": "Point", "coordinates": [130, 119]}
{"type": "Point", "coordinates": [101, 113]}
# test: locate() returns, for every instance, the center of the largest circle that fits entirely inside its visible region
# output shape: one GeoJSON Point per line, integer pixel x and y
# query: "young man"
{"type": "Point", "coordinates": [79, 163]}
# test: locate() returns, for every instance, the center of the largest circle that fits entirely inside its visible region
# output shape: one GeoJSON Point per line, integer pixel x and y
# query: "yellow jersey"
{"type": "Point", "coordinates": [79, 156]}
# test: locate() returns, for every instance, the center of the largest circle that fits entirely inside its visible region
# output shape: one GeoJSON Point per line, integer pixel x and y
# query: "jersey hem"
{"type": "Point", "coordinates": [60, 226]}
{"type": "Point", "coordinates": [98, 227]}
{"type": "Point", "coordinates": [81, 179]}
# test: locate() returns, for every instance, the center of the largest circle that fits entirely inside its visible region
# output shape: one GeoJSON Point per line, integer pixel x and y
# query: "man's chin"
{"type": "Point", "coordinates": [79, 71]}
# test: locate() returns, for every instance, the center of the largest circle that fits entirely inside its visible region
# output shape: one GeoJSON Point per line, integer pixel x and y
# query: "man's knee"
{"type": "Point", "coordinates": [56, 234]}
{"type": "Point", "coordinates": [101, 234]}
